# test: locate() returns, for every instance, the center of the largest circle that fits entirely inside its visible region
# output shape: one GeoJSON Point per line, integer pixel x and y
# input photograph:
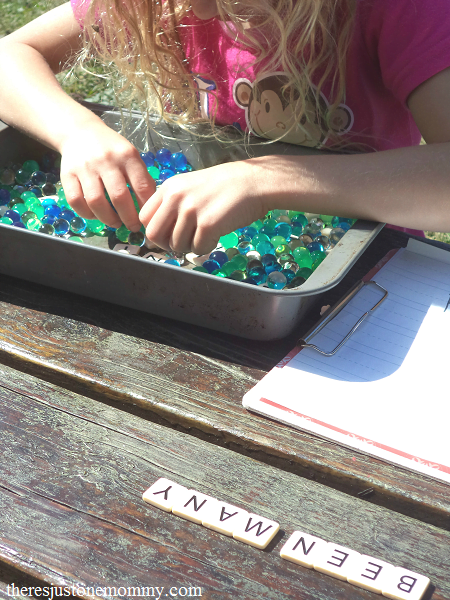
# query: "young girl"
{"type": "Point", "coordinates": [369, 75]}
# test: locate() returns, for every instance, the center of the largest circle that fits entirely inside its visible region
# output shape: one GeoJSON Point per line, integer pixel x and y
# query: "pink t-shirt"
{"type": "Point", "coordinates": [396, 45]}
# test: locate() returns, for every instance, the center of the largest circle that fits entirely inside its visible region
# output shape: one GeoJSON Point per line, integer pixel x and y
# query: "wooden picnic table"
{"type": "Point", "coordinates": [98, 402]}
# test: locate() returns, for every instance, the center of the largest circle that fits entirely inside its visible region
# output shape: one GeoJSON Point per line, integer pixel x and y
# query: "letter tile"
{"type": "Point", "coordinates": [193, 505]}
{"type": "Point", "coordinates": [223, 517]}
{"type": "Point", "coordinates": [301, 548]}
{"type": "Point", "coordinates": [368, 573]}
{"type": "Point", "coordinates": [255, 530]}
{"type": "Point", "coordinates": [334, 560]}
{"type": "Point", "coordinates": [402, 584]}
{"type": "Point", "coordinates": [163, 494]}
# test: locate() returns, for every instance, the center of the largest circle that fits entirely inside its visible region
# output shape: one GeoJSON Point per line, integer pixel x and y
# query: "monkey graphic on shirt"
{"type": "Point", "coordinates": [270, 114]}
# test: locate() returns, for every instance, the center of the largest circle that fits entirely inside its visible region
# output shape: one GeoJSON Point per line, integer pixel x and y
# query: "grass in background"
{"type": "Point", "coordinates": [82, 85]}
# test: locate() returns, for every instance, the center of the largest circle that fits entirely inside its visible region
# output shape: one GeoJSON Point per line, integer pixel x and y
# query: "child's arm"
{"type": "Point", "coordinates": [409, 187]}
{"type": "Point", "coordinates": [94, 157]}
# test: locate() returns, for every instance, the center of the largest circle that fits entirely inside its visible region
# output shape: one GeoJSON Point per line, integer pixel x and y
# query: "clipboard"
{"type": "Point", "coordinates": [378, 384]}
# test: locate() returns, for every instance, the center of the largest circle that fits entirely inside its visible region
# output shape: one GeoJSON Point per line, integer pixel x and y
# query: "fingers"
{"type": "Point", "coordinates": [109, 168]}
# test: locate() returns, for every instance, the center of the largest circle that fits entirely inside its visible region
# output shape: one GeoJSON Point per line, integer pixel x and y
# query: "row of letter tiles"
{"type": "Point", "coordinates": [301, 548]}
{"type": "Point", "coordinates": [210, 512]}
{"type": "Point", "coordinates": [359, 569]}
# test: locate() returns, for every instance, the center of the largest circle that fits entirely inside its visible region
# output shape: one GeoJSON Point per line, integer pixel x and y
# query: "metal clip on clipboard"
{"type": "Point", "coordinates": [329, 316]}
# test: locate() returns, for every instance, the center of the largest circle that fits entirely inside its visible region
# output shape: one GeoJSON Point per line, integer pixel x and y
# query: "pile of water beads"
{"type": "Point", "coordinates": [278, 252]}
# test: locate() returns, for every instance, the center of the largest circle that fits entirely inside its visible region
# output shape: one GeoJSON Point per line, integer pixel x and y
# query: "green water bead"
{"type": "Point", "coordinates": [260, 237]}
{"type": "Point", "coordinates": [318, 257]}
{"type": "Point", "coordinates": [61, 194]}
{"type": "Point", "coordinates": [31, 166]}
{"type": "Point", "coordinates": [257, 224]}
{"type": "Point", "coordinates": [32, 223]}
{"type": "Point", "coordinates": [94, 225]}
{"type": "Point", "coordinates": [240, 262]}
{"type": "Point", "coordinates": [38, 209]}
{"type": "Point", "coordinates": [219, 273]}
{"type": "Point", "coordinates": [14, 202]}
{"type": "Point", "coordinates": [27, 195]}
{"type": "Point", "coordinates": [238, 276]}
{"type": "Point", "coordinates": [327, 219]}
{"type": "Point", "coordinates": [122, 234]}
{"type": "Point", "coordinates": [302, 257]}
{"type": "Point", "coordinates": [21, 209]}
{"type": "Point", "coordinates": [154, 172]}
{"type": "Point", "coordinates": [228, 268]}
{"type": "Point", "coordinates": [304, 272]}
{"type": "Point", "coordinates": [200, 269]}
{"type": "Point", "coordinates": [76, 238]}
{"type": "Point", "coordinates": [6, 221]}
{"type": "Point", "coordinates": [230, 240]}
{"type": "Point", "coordinates": [22, 176]}
{"type": "Point", "coordinates": [282, 249]}
{"type": "Point", "coordinates": [278, 240]}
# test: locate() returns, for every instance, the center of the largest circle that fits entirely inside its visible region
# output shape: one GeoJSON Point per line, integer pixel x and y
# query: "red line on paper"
{"type": "Point", "coordinates": [436, 466]}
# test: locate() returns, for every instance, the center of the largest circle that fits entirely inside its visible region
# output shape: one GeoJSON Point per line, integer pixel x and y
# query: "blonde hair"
{"type": "Point", "coordinates": [140, 38]}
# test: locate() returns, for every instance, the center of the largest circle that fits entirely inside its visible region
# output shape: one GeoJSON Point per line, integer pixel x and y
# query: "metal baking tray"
{"type": "Point", "coordinates": [93, 269]}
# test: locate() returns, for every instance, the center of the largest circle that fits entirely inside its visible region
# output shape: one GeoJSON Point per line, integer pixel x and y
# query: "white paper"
{"type": "Point", "coordinates": [386, 390]}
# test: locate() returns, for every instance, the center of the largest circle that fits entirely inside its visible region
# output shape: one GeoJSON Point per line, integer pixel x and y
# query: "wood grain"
{"type": "Point", "coordinates": [71, 478]}
{"type": "Point", "coordinates": [193, 379]}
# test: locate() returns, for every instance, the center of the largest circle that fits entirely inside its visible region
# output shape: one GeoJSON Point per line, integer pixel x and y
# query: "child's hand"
{"type": "Point", "coordinates": [95, 158]}
{"type": "Point", "coordinates": [190, 212]}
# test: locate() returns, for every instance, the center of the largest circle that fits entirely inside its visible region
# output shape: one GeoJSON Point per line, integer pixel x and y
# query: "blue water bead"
{"type": "Point", "coordinates": [67, 215]}
{"type": "Point", "coordinates": [163, 156]}
{"type": "Point", "coordinates": [315, 247]}
{"type": "Point", "coordinates": [166, 174]}
{"type": "Point", "coordinates": [258, 274]}
{"type": "Point", "coordinates": [289, 274]}
{"type": "Point", "coordinates": [265, 247]}
{"type": "Point", "coordinates": [250, 231]}
{"type": "Point", "coordinates": [13, 215]}
{"type": "Point", "coordinates": [270, 263]}
{"type": "Point", "coordinates": [36, 191]}
{"type": "Point", "coordinates": [178, 161]}
{"type": "Point", "coordinates": [148, 158]}
{"type": "Point", "coordinates": [19, 224]}
{"type": "Point", "coordinates": [48, 220]}
{"type": "Point", "coordinates": [219, 256]}
{"type": "Point", "coordinates": [276, 280]}
{"type": "Point", "coordinates": [283, 229]}
{"type": "Point", "coordinates": [61, 226]}
{"type": "Point", "coordinates": [251, 281]}
{"type": "Point", "coordinates": [48, 202]}
{"type": "Point", "coordinates": [211, 265]}
{"type": "Point", "coordinates": [172, 261]}
{"type": "Point", "coordinates": [5, 197]}
{"type": "Point", "coordinates": [52, 211]}
{"type": "Point", "coordinates": [344, 225]}
{"type": "Point", "coordinates": [243, 237]}
{"type": "Point", "coordinates": [38, 178]}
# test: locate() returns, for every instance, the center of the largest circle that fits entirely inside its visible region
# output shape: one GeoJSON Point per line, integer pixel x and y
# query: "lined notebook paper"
{"type": "Point", "coordinates": [386, 391]}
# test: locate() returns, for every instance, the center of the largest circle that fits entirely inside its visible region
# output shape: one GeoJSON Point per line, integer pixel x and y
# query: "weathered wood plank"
{"type": "Point", "coordinates": [194, 379]}
{"type": "Point", "coordinates": [71, 478]}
